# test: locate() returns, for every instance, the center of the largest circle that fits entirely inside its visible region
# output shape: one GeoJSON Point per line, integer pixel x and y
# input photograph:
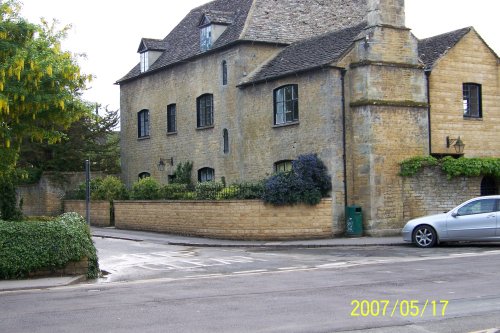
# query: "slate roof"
{"type": "Point", "coordinates": [430, 50]}
{"type": "Point", "coordinates": [149, 44]}
{"type": "Point", "coordinates": [309, 54]}
{"type": "Point", "coordinates": [215, 16]}
{"type": "Point", "coordinates": [281, 22]}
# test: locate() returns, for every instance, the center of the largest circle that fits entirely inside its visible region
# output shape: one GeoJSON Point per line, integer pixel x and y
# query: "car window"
{"type": "Point", "coordinates": [478, 207]}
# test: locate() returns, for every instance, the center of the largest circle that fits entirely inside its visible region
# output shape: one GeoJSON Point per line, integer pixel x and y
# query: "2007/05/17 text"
{"type": "Point", "coordinates": [403, 308]}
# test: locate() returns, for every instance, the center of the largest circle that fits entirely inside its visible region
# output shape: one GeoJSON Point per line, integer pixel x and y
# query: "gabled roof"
{"type": "Point", "coordinates": [149, 44]}
{"type": "Point", "coordinates": [309, 54]}
{"type": "Point", "coordinates": [217, 17]}
{"type": "Point", "coordinates": [280, 22]}
{"type": "Point", "coordinates": [430, 50]}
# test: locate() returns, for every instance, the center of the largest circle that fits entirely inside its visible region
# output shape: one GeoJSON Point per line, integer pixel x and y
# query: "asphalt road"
{"type": "Point", "coordinates": [161, 288]}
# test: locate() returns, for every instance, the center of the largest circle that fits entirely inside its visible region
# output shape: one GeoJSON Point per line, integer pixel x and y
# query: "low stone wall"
{"type": "Point", "coordinates": [431, 192]}
{"type": "Point", "coordinates": [245, 219]}
{"type": "Point", "coordinates": [100, 213]}
{"type": "Point", "coordinates": [72, 268]}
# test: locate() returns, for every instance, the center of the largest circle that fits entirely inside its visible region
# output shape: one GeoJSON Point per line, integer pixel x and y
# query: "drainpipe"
{"type": "Point", "coordinates": [344, 144]}
{"type": "Point", "coordinates": [427, 77]}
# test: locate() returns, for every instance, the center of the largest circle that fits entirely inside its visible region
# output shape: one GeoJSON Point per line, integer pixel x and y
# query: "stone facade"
{"type": "Point", "coordinates": [470, 61]}
{"type": "Point", "coordinates": [245, 220]}
{"type": "Point", "coordinates": [363, 107]}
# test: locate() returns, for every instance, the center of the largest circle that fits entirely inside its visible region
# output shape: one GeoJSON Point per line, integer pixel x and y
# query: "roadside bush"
{"type": "Point", "coordinates": [80, 192]}
{"type": "Point", "coordinates": [208, 190]}
{"type": "Point", "coordinates": [8, 202]}
{"type": "Point", "coordinates": [110, 188]}
{"type": "Point", "coordinates": [30, 246]}
{"type": "Point", "coordinates": [146, 189]}
{"type": "Point", "coordinates": [307, 182]}
{"type": "Point", "coordinates": [243, 191]}
{"type": "Point", "coordinates": [174, 192]}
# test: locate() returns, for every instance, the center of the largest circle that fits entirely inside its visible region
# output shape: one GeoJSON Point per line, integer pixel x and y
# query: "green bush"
{"type": "Point", "coordinates": [110, 188]}
{"type": "Point", "coordinates": [8, 202]}
{"type": "Point", "coordinates": [453, 167]}
{"type": "Point", "coordinates": [208, 190]}
{"type": "Point", "coordinates": [174, 191]}
{"type": "Point", "coordinates": [30, 246]}
{"type": "Point", "coordinates": [146, 189]}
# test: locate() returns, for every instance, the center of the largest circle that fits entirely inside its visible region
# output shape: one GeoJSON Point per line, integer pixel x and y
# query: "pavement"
{"type": "Point", "coordinates": [168, 239]}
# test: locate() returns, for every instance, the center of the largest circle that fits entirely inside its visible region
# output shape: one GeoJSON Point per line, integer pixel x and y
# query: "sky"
{"type": "Point", "coordinates": [109, 31]}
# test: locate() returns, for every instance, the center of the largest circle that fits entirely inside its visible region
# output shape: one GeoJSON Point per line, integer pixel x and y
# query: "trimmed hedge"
{"type": "Point", "coordinates": [30, 246]}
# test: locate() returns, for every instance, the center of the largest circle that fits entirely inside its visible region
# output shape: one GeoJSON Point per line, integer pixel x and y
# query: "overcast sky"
{"type": "Point", "coordinates": [109, 31]}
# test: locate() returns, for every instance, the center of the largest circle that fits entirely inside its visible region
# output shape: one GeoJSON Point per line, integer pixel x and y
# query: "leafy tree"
{"type": "Point", "coordinates": [92, 137]}
{"type": "Point", "coordinates": [40, 87]}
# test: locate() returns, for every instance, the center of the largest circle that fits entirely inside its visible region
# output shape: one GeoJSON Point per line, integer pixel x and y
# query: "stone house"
{"type": "Point", "coordinates": [242, 87]}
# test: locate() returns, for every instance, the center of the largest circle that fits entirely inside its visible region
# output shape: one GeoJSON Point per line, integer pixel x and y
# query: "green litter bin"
{"type": "Point", "coordinates": [354, 221]}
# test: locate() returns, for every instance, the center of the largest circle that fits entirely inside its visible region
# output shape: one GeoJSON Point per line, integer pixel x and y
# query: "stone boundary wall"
{"type": "Point", "coordinates": [241, 219]}
{"type": "Point", "coordinates": [73, 268]}
{"type": "Point", "coordinates": [431, 192]}
{"type": "Point", "coordinates": [100, 211]}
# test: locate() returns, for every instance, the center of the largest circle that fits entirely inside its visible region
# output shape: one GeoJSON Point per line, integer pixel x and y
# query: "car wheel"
{"type": "Point", "coordinates": [424, 236]}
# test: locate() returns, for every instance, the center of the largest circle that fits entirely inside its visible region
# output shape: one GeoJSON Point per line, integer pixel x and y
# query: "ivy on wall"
{"type": "Point", "coordinates": [452, 167]}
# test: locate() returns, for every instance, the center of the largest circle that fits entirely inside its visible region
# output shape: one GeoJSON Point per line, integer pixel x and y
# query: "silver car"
{"type": "Point", "coordinates": [477, 219]}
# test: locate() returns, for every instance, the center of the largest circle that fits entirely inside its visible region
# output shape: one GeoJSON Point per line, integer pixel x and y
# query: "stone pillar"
{"type": "Point", "coordinates": [387, 122]}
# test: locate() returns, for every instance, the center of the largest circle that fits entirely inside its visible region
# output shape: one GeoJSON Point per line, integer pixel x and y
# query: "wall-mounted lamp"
{"type": "Point", "coordinates": [458, 144]}
{"type": "Point", "coordinates": [163, 162]}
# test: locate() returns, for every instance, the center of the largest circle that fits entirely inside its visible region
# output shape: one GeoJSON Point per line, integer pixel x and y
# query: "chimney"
{"type": "Point", "coordinates": [386, 13]}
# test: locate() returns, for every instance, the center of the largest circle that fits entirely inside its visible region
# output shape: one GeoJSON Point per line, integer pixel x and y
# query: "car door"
{"type": "Point", "coordinates": [498, 217]}
{"type": "Point", "coordinates": [474, 221]}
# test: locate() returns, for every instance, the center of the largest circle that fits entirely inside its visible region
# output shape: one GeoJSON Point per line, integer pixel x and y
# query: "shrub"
{"type": "Point", "coordinates": [8, 201]}
{"type": "Point", "coordinates": [174, 191]}
{"type": "Point", "coordinates": [80, 192]}
{"type": "Point", "coordinates": [182, 174]}
{"type": "Point", "coordinates": [208, 190]}
{"type": "Point", "coordinates": [30, 246]}
{"type": "Point", "coordinates": [308, 182]}
{"type": "Point", "coordinates": [146, 189]}
{"type": "Point", "coordinates": [110, 188]}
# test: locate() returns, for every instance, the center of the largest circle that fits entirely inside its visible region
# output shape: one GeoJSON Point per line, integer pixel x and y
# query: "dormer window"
{"type": "Point", "coordinates": [150, 50]}
{"type": "Point", "coordinates": [206, 38]}
{"type": "Point", "coordinates": [144, 62]}
{"type": "Point", "coordinates": [212, 25]}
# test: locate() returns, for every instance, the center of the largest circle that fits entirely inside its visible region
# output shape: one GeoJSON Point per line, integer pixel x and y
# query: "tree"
{"type": "Point", "coordinates": [40, 86]}
{"type": "Point", "coordinates": [91, 137]}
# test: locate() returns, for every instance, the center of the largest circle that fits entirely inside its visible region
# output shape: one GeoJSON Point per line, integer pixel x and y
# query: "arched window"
{"type": "Point", "coordinates": [143, 124]}
{"type": "Point", "coordinates": [283, 166]}
{"type": "Point", "coordinates": [205, 110]}
{"type": "Point", "coordinates": [286, 104]}
{"type": "Point", "coordinates": [225, 137]}
{"type": "Point", "coordinates": [224, 72]}
{"type": "Point", "coordinates": [206, 175]}
{"type": "Point", "coordinates": [489, 186]}
{"type": "Point", "coordinates": [143, 175]}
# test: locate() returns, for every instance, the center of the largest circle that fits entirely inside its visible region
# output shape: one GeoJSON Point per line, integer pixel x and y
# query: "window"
{"type": "Point", "coordinates": [206, 38]}
{"type": "Point", "coordinates": [205, 110]}
{"type": "Point", "coordinates": [143, 124]}
{"type": "Point", "coordinates": [225, 137]}
{"type": "Point", "coordinates": [478, 207]}
{"type": "Point", "coordinates": [144, 62]}
{"type": "Point", "coordinates": [286, 104]}
{"type": "Point", "coordinates": [206, 175]}
{"type": "Point", "coordinates": [143, 175]}
{"type": "Point", "coordinates": [171, 118]}
{"type": "Point", "coordinates": [472, 100]}
{"type": "Point", "coordinates": [283, 166]}
{"type": "Point", "coordinates": [224, 73]}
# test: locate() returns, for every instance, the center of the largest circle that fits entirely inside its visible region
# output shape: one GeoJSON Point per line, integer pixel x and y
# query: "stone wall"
{"type": "Point", "coordinates": [431, 192]}
{"type": "Point", "coordinates": [246, 220]}
{"type": "Point", "coordinates": [100, 211]}
{"type": "Point", "coordinates": [45, 197]}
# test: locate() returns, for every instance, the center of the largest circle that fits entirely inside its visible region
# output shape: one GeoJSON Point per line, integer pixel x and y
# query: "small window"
{"type": "Point", "coordinates": [472, 100]}
{"type": "Point", "coordinates": [143, 175]}
{"type": "Point", "coordinates": [144, 62]}
{"type": "Point", "coordinates": [478, 207]}
{"type": "Point", "coordinates": [283, 166]}
{"type": "Point", "coordinates": [205, 110]}
{"type": "Point", "coordinates": [206, 175]}
{"type": "Point", "coordinates": [171, 118]}
{"type": "Point", "coordinates": [143, 124]}
{"type": "Point", "coordinates": [225, 138]}
{"type": "Point", "coordinates": [286, 104]}
{"type": "Point", "coordinates": [206, 38]}
{"type": "Point", "coordinates": [224, 73]}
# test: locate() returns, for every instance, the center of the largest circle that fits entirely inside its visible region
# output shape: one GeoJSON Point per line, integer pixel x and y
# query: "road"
{"type": "Point", "coordinates": [162, 288]}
